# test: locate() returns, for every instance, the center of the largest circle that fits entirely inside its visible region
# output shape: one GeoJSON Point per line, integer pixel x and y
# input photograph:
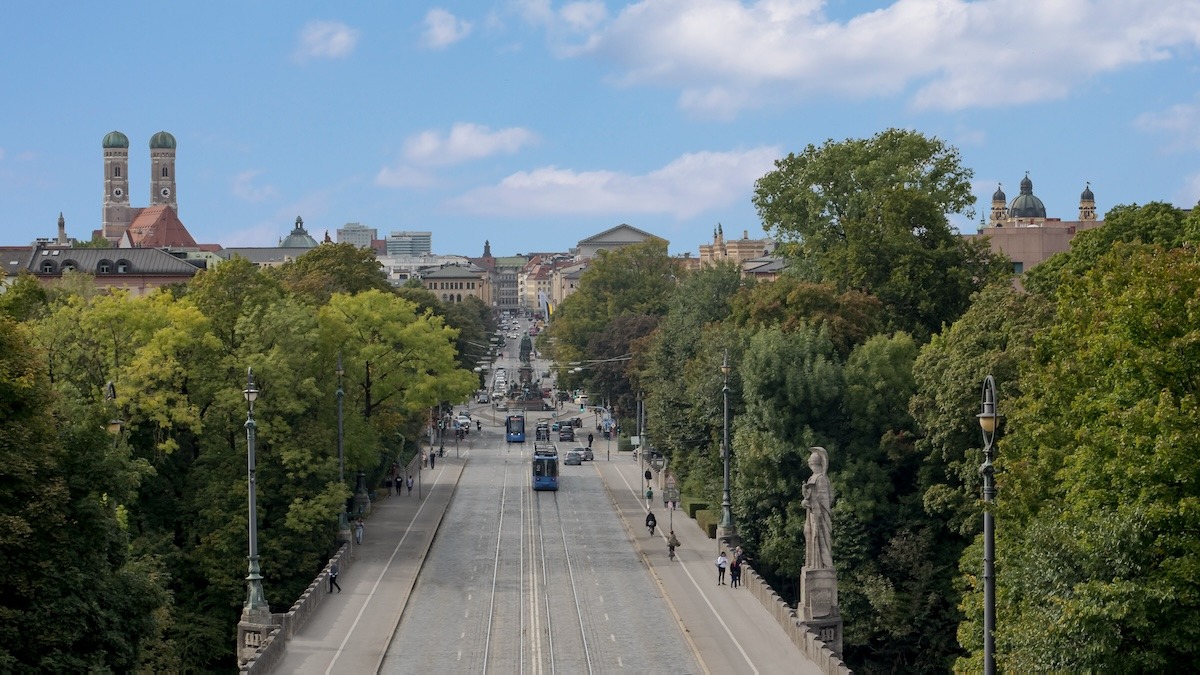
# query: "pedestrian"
{"type": "Point", "coordinates": [333, 574]}
{"type": "Point", "coordinates": [358, 530]}
{"type": "Point", "coordinates": [735, 573]}
{"type": "Point", "coordinates": [722, 563]}
{"type": "Point", "coordinates": [431, 460]}
{"type": "Point", "coordinates": [424, 459]}
{"type": "Point", "coordinates": [590, 438]}
{"type": "Point", "coordinates": [410, 482]}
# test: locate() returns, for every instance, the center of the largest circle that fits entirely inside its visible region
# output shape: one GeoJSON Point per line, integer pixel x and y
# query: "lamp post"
{"type": "Point", "coordinates": [726, 524]}
{"type": "Point", "coordinates": [987, 422]}
{"type": "Point", "coordinates": [256, 603]}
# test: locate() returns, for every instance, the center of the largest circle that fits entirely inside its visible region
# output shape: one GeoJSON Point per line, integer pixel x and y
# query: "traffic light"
{"type": "Point", "coordinates": [582, 408]}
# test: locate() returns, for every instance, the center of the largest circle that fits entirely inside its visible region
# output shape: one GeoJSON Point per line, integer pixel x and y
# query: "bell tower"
{"type": "Point", "coordinates": [1087, 203]}
{"type": "Point", "coordinates": [162, 171]}
{"type": "Point", "coordinates": [116, 216]}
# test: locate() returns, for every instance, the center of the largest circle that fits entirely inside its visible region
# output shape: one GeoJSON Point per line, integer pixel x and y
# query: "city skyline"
{"type": "Point", "coordinates": [535, 124]}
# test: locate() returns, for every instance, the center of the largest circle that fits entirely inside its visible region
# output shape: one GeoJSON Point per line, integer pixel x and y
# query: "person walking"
{"type": "Point", "coordinates": [431, 460]}
{"type": "Point", "coordinates": [333, 575]}
{"type": "Point", "coordinates": [590, 438]}
{"type": "Point", "coordinates": [358, 530]}
{"type": "Point", "coordinates": [722, 563]}
{"type": "Point", "coordinates": [410, 483]}
{"type": "Point", "coordinates": [735, 572]}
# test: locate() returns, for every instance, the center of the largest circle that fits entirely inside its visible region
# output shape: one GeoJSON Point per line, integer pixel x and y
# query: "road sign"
{"type": "Point", "coordinates": [671, 494]}
{"type": "Point", "coordinates": [671, 481]}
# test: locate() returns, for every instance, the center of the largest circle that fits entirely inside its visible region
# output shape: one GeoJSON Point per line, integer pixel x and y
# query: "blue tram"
{"type": "Point", "coordinates": [545, 467]}
{"type": "Point", "coordinates": [514, 429]}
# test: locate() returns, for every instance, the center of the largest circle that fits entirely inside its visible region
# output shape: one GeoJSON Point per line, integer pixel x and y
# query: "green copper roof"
{"type": "Point", "coordinates": [161, 141]}
{"type": "Point", "coordinates": [116, 139]}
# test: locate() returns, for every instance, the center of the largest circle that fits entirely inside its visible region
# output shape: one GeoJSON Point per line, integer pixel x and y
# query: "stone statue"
{"type": "Point", "coordinates": [818, 524]}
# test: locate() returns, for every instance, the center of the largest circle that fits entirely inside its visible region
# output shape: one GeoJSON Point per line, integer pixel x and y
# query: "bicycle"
{"type": "Point", "coordinates": [670, 552]}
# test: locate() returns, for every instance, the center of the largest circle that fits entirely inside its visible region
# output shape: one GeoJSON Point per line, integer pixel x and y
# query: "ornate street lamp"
{"type": "Point", "coordinates": [343, 521]}
{"type": "Point", "coordinates": [987, 423]}
{"type": "Point", "coordinates": [256, 603]}
{"type": "Point", "coordinates": [727, 532]}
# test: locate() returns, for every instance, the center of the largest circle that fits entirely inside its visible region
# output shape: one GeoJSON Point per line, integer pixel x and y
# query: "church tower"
{"type": "Point", "coordinates": [162, 171]}
{"type": "Point", "coordinates": [116, 215]}
{"type": "Point", "coordinates": [999, 209]}
{"type": "Point", "coordinates": [1087, 203]}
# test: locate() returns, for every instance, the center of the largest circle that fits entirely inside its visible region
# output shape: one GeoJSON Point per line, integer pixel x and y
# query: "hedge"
{"type": "Point", "coordinates": [691, 506]}
{"type": "Point", "coordinates": [707, 520]}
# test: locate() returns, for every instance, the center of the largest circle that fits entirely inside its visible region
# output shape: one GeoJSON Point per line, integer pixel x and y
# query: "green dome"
{"type": "Point", "coordinates": [299, 238]}
{"type": "Point", "coordinates": [1026, 205]}
{"type": "Point", "coordinates": [161, 141]}
{"type": "Point", "coordinates": [116, 139]}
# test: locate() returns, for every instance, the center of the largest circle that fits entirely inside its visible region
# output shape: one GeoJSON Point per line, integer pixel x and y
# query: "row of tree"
{"type": "Point", "coordinates": [874, 345]}
{"type": "Point", "coordinates": [128, 552]}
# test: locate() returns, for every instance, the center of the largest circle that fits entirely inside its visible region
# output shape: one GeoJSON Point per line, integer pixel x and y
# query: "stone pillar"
{"type": "Point", "coordinates": [819, 606]}
{"type": "Point", "coordinates": [254, 628]}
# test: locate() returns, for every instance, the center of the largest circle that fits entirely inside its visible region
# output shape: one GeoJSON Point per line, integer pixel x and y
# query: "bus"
{"type": "Point", "coordinates": [514, 429]}
{"type": "Point", "coordinates": [545, 467]}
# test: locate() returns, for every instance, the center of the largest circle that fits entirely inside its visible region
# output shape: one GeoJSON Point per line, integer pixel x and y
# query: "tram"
{"type": "Point", "coordinates": [514, 429]}
{"type": "Point", "coordinates": [545, 467]}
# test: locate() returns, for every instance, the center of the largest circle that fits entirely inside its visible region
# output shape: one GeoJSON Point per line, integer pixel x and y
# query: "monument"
{"type": "Point", "coordinates": [818, 608]}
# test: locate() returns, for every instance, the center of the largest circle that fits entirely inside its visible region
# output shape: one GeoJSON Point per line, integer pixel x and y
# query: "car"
{"type": "Point", "coordinates": [576, 422]}
{"type": "Point", "coordinates": [573, 458]}
{"type": "Point", "coordinates": [566, 434]}
{"type": "Point", "coordinates": [463, 421]}
{"type": "Point", "coordinates": [555, 426]}
{"type": "Point", "coordinates": [482, 397]}
{"type": "Point", "coordinates": [587, 454]}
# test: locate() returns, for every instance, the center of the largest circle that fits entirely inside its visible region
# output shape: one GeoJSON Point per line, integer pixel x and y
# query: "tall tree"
{"type": "Point", "coordinates": [871, 215]}
{"type": "Point", "coordinates": [334, 268]}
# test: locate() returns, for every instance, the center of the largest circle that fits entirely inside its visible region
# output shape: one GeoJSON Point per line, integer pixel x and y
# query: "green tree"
{"type": "Point", "coordinates": [870, 215]}
{"type": "Point", "coordinates": [71, 597]}
{"type": "Point", "coordinates": [1098, 565]}
{"type": "Point", "coordinates": [333, 268]}
{"type": "Point", "coordinates": [22, 298]}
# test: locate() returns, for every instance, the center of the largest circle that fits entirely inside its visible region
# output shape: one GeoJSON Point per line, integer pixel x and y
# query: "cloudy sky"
{"type": "Point", "coordinates": [534, 124]}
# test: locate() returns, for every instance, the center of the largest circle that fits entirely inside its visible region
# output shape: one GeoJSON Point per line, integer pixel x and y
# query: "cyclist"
{"type": "Point", "coordinates": [672, 544]}
{"type": "Point", "coordinates": [651, 521]}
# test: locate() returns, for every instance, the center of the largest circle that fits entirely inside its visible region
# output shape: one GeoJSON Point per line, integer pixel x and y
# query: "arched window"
{"type": "Point", "coordinates": [444, 298]}
{"type": "Point", "coordinates": [122, 266]}
{"type": "Point", "coordinates": [69, 265]}
{"type": "Point", "coordinates": [459, 297]}
{"type": "Point", "coordinates": [165, 173]}
{"type": "Point", "coordinates": [47, 267]}
{"type": "Point", "coordinates": [116, 172]}
{"type": "Point", "coordinates": [104, 267]}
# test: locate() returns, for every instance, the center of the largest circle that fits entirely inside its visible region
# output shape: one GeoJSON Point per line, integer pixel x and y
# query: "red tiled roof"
{"type": "Point", "coordinates": [159, 227]}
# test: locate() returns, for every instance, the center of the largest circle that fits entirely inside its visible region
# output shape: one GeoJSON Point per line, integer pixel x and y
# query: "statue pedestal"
{"type": "Point", "coordinates": [818, 608]}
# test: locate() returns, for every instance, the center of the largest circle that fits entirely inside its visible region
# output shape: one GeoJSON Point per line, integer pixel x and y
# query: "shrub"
{"type": "Point", "coordinates": [707, 520]}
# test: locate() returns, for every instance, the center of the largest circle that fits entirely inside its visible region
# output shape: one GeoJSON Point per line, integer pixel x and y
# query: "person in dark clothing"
{"type": "Point", "coordinates": [333, 575]}
{"type": "Point", "coordinates": [651, 522]}
{"type": "Point", "coordinates": [735, 572]}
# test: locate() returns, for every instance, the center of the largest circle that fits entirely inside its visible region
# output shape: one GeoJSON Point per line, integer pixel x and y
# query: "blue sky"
{"type": "Point", "coordinates": [535, 124]}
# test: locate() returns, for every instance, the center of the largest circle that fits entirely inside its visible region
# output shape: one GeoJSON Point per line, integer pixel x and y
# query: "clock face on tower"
{"type": "Point", "coordinates": [118, 192]}
{"type": "Point", "coordinates": [165, 192]}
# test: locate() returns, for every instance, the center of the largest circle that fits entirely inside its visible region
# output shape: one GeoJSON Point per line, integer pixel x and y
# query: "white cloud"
{"type": "Point", "coordinates": [1181, 122]}
{"type": "Point", "coordinates": [941, 54]}
{"type": "Point", "coordinates": [443, 29]}
{"type": "Point", "coordinates": [325, 40]}
{"type": "Point", "coordinates": [245, 189]}
{"type": "Point", "coordinates": [583, 15]}
{"type": "Point", "coordinates": [465, 142]}
{"type": "Point", "coordinates": [403, 176]}
{"type": "Point", "coordinates": [690, 185]}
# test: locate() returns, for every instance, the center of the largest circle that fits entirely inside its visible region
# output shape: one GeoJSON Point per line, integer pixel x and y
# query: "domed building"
{"type": "Point", "coordinates": [299, 237]}
{"type": "Point", "coordinates": [1021, 229]}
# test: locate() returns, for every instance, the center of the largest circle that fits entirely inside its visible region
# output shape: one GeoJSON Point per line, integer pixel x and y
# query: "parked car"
{"type": "Point", "coordinates": [587, 454]}
{"type": "Point", "coordinates": [573, 458]}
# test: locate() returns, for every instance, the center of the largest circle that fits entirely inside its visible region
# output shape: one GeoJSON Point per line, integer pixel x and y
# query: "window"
{"type": "Point", "coordinates": [69, 266]}
{"type": "Point", "coordinates": [47, 267]}
{"type": "Point", "coordinates": [116, 172]}
{"type": "Point", "coordinates": [104, 267]}
{"type": "Point", "coordinates": [122, 266]}
{"type": "Point", "coordinates": [165, 173]}
{"type": "Point", "coordinates": [1018, 268]}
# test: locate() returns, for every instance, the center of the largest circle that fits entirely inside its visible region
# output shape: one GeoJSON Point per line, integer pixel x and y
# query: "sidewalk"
{"type": "Point", "coordinates": [350, 632]}
{"type": "Point", "coordinates": [730, 630]}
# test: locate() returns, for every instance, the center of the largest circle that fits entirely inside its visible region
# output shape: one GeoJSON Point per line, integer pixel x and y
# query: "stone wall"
{"type": "Point", "coordinates": [293, 620]}
{"type": "Point", "coordinates": [805, 639]}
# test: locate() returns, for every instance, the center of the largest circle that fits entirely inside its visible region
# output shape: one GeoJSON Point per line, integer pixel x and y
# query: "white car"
{"type": "Point", "coordinates": [463, 421]}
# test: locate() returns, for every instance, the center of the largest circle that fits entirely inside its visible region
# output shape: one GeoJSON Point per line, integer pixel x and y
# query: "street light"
{"type": "Point", "coordinates": [256, 603]}
{"type": "Point", "coordinates": [987, 422]}
{"type": "Point", "coordinates": [726, 524]}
